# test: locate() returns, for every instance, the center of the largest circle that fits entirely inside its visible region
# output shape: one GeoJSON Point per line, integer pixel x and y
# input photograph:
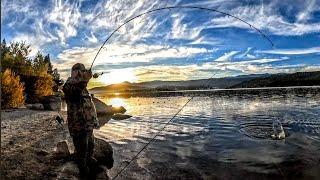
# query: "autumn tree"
{"type": "Point", "coordinates": [36, 72]}
{"type": "Point", "coordinates": [12, 95]}
{"type": "Point", "coordinates": [43, 86]}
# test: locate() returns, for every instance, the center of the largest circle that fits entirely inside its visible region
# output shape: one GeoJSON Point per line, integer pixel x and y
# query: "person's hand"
{"type": "Point", "coordinates": [87, 74]}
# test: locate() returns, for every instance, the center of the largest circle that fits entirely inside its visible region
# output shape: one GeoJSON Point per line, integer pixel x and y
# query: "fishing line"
{"type": "Point", "coordinates": [159, 131]}
{"type": "Point", "coordinates": [175, 115]}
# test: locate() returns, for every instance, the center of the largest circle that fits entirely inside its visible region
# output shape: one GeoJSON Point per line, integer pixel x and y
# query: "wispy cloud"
{"type": "Point", "coordinates": [66, 17]}
{"type": "Point", "coordinates": [307, 11]}
{"type": "Point", "coordinates": [226, 56]}
{"type": "Point", "coordinates": [312, 50]}
{"type": "Point", "coordinates": [72, 31]}
{"type": "Point", "coordinates": [121, 53]}
{"type": "Point", "coordinates": [268, 17]}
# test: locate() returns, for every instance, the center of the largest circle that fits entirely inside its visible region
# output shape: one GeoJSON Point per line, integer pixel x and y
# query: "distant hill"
{"type": "Point", "coordinates": [282, 80]}
{"type": "Point", "coordinates": [243, 81]}
{"type": "Point", "coordinates": [125, 86]}
{"type": "Point", "coordinates": [212, 83]}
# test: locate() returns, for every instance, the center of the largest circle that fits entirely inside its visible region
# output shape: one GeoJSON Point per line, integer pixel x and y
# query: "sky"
{"type": "Point", "coordinates": [176, 44]}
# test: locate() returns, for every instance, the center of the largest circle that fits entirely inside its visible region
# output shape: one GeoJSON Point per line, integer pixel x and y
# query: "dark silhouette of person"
{"type": "Point", "coordinates": [82, 116]}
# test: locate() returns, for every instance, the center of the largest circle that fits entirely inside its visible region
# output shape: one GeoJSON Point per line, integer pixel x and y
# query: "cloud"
{"type": "Point", "coordinates": [246, 54]}
{"type": "Point", "coordinates": [66, 16]}
{"type": "Point", "coordinates": [180, 30]}
{"type": "Point", "coordinates": [122, 53]}
{"type": "Point", "coordinates": [203, 40]}
{"type": "Point", "coordinates": [305, 14]}
{"type": "Point", "coordinates": [313, 50]}
{"type": "Point", "coordinates": [206, 70]}
{"type": "Point", "coordinates": [73, 30]}
{"type": "Point", "coordinates": [92, 39]}
{"type": "Point", "coordinates": [226, 56]}
{"type": "Point", "coordinates": [253, 66]}
{"type": "Point", "coordinates": [109, 15]}
{"type": "Point", "coordinates": [267, 17]}
{"type": "Point", "coordinates": [36, 42]}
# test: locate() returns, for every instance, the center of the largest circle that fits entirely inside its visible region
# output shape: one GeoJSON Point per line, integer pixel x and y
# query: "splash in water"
{"type": "Point", "coordinates": [278, 132]}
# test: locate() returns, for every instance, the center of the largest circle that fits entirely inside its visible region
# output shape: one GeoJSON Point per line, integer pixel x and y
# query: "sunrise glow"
{"type": "Point", "coordinates": [118, 76]}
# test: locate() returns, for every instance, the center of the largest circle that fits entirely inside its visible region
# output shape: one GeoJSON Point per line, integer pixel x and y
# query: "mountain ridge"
{"type": "Point", "coordinates": [241, 81]}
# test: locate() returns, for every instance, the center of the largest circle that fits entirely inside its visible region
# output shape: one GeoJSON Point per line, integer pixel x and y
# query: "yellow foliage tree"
{"type": "Point", "coordinates": [12, 95]}
{"type": "Point", "coordinates": [43, 85]}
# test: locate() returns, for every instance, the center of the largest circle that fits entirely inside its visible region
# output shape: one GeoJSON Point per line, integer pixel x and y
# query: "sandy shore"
{"type": "Point", "coordinates": [28, 138]}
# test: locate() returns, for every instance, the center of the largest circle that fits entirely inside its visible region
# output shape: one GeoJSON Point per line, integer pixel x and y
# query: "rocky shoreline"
{"type": "Point", "coordinates": [29, 148]}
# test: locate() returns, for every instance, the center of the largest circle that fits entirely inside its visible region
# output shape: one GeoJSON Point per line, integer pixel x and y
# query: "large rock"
{"type": "Point", "coordinates": [119, 116]}
{"type": "Point", "coordinates": [51, 102]}
{"type": "Point", "coordinates": [103, 153]}
{"type": "Point", "coordinates": [103, 109]}
{"type": "Point", "coordinates": [120, 109]}
{"type": "Point", "coordinates": [103, 119]}
{"type": "Point", "coordinates": [69, 170]}
{"type": "Point", "coordinates": [36, 106]}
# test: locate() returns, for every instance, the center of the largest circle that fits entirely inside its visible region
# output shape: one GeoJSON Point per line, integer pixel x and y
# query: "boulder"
{"type": "Point", "coordinates": [52, 103]}
{"type": "Point", "coordinates": [69, 170]}
{"type": "Point", "coordinates": [62, 150]}
{"type": "Point", "coordinates": [103, 153]}
{"type": "Point", "coordinates": [102, 175]}
{"type": "Point", "coordinates": [103, 119]}
{"type": "Point", "coordinates": [103, 109]}
{"type": "Point", "coordinates": [119, 116]}
{"type": "Point", "coordinates": [36, 106]}
{"type": "Point", "coordinates": [119, 109]}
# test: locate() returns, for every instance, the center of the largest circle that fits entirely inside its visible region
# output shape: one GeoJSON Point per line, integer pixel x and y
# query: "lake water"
{"type": "Point", "coordinates": [216, 138]}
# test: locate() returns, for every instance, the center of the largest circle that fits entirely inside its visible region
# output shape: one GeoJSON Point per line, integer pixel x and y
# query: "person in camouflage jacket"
{"type": "Point", "coordinates": [82, 116]}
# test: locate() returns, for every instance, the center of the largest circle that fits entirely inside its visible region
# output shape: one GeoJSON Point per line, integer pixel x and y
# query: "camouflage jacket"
{"type": "Point", "coordinates": [82, 115]}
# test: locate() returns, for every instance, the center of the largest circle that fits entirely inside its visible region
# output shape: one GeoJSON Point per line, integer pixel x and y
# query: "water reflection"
{"type": "Point", "coordinates": [208, 138]}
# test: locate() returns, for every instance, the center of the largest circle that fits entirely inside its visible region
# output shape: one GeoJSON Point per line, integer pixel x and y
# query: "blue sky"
{"type": "Point", "coordinates": [174, 44]}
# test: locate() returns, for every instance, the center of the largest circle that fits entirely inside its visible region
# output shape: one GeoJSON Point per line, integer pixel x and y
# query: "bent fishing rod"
{"type": "Point", "coordinates": [208, 80]}
{"type": "Point", "coordinates": [181, 7]}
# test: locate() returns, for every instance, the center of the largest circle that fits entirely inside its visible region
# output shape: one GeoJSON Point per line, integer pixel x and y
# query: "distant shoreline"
{"type": "Point", "coordinates": [259, 91]}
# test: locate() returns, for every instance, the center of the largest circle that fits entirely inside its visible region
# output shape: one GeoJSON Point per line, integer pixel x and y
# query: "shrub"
{"type": "Point", "coordinates": [12, 95]}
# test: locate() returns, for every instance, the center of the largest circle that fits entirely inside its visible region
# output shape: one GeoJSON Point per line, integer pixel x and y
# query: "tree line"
{"type": "Point", "coordinates": [26, 79]}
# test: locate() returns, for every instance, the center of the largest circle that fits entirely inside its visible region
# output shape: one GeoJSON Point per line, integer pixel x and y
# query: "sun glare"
{"type": "Point", "coordinates": [118, 76]}
{"type": "Point", "coordinates": [117, 102]}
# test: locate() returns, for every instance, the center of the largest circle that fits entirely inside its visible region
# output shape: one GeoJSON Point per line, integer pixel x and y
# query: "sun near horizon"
{"type": "Point", "coordinates": [114, 77]}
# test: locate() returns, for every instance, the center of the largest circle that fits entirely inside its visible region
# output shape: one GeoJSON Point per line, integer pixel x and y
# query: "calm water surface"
{"type": "Point", "coordinates": [216, 138]}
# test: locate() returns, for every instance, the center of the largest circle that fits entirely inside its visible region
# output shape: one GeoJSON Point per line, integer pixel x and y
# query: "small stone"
{"type": "Point", "coordinates": [62, 150]}
{"type": "Point", "coordinates": [41, 152]}
{"type": "Point", "coordinates": [10, 142]}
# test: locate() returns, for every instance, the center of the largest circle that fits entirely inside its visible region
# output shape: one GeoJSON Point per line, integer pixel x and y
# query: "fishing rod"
{"type": "Point", "coordinates": [181, 7]}
{"type": "Point", "coordinates": [175, 115]}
